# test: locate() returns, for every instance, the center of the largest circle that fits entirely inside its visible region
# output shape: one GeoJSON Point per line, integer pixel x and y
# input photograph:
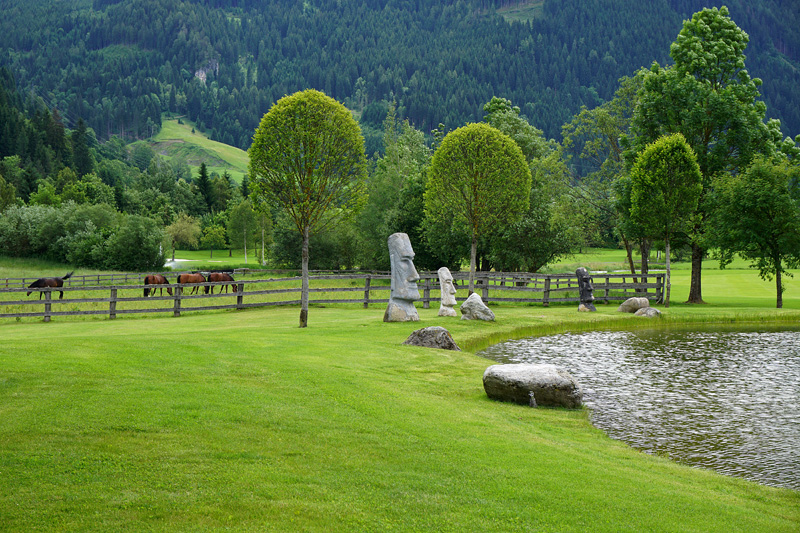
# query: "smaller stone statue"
{"type": "Point", "coordinates": [585, 290]}
{"type": "Point", "coordinates": [404, 281]}
{"type": "Point", "coordinates": [448, 293]}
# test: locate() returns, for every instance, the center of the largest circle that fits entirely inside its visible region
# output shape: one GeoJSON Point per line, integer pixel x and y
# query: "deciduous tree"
{"type": "Point", "coordinates": [756, 217]}
{"type": "Point", "coordinates": [307, 157]}
{"type": "Point", "coordinates": [479, 175]}
{"type": "Point", "coordinates": [665, 189]}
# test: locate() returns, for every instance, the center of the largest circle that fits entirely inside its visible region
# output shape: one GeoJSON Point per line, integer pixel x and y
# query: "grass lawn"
{"type": "Point", "coordinates": [243, 421]}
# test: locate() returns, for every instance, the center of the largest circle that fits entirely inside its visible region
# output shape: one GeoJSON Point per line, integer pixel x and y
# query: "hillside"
{"type": "Point", "coordinates": [183, 141]}
{"type": "Point", "coordinates": [120, 64]}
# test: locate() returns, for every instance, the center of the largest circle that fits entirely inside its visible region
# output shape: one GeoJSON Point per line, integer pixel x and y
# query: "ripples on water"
{"type": "Point", "coordinates": [725, 400]}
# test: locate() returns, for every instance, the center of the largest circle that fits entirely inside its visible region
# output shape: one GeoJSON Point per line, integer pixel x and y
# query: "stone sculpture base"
{"type": "Point", "coordinates": [400, 311]}
{"type": "Point", "coordinates": [447, 311]}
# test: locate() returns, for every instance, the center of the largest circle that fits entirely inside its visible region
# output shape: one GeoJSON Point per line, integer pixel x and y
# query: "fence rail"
{"type": "Point", "coordinates": [366, 288]}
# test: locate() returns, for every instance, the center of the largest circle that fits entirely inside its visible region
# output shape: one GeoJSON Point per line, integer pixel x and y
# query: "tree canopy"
{"type": "Point", "coordinates": [480, 175]}
{"type": "Point", "coordinates": [307, 158]}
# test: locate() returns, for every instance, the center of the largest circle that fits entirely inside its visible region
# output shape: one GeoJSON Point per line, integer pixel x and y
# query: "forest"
{"type": "Point", "coordinates": [119, 65]}
{"type": "Point", "coordinates": [78, 185]}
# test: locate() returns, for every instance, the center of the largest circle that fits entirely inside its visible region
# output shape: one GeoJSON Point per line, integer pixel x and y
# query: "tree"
{"type": "Point", "coordinates": [665, 188]}
{"type": "Point", "coordinates": [243, 226]}
{"type": "Point", "coordinates": [213, 237]}
{"type": "Point", "coordinates": [307, 157]}
{"type": "Point", "coordinates": [480, 175]}
{"type": "Point", "coordinates": [82, 159]}
{"type": "Point", "coordinates": [757, 218]}
{"type": "Point", "coordinates": [185, 231]}
{"type": "Point", "coordinates": [204, 187]}
{"type": "Point", "coordinates": [710, 98]}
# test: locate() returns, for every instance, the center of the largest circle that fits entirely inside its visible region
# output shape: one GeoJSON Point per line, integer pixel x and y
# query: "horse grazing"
{"type": "Point", "coordinates": [219, 276]}
{"type": "Point", "coordinates": [49, 282]}
{"type": "Point", "coordinates": [192, 278]}
{"type": "Point", "coordinates": [156, 279]}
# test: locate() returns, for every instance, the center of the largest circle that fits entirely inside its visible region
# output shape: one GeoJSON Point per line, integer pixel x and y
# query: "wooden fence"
{"type": "Point", "coordinates": [354, 288]}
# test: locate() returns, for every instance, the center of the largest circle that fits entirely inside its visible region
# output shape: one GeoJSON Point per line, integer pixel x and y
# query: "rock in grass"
{"type": "Point", "coordinates": [432, 337]}
{"type": "Point", "coordinates": [534, 385]}
{"type": "Point", "coordinates": [631, 305]}
{"type": "Point", "coordinates": [473, 308]}
{"type": "Point", "coordinates": [649, 312]}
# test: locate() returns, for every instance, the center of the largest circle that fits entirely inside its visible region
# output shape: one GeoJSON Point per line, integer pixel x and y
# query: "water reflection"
{"type": "Point", "coordinates": [726, 400]}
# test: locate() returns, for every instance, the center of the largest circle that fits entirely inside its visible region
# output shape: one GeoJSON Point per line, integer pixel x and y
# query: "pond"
{"type": "Point", "coordinates": [720, 399]}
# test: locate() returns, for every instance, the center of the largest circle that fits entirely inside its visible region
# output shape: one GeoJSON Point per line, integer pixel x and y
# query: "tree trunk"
{"type": "Point", "coordinates": [244, 236]}
{"type": "Point", "coordinates": [668, 279]}
{"type": "Point", "coordinates": [629, 253]}
{"type": "Point", "coordinates": [778, 283]}
{"type": "Point", "coordinates": [304, 290]}
{"type": "Point", "coordinates": [696, 287]}
{"type": "Point", "coordinates": [644, 246]}
{"type": "Point", "coordinates": [472, 254]}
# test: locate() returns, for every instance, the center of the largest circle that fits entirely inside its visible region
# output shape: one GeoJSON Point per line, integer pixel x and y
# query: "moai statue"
{"type": "Point", "coordinates": [448, 290]}
{"type": "Point", "coordinates": [585, 290]}
{"type": "Point", "coordinates": [404, 289]}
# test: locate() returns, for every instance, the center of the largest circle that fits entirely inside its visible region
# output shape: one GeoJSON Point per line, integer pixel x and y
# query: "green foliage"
{"type": "Point", "coordinates": [185, 232]}
{"type": "Point", "coordinates": [307, 158]}
{"type": "Point", "coordinates": [137, 244]}
{"type": "Point", "coordinates": [479, 175]}
{"type": "Point", "coordinates": [666, 184]}
{"type": "Point", "coordinates": [757, 218]}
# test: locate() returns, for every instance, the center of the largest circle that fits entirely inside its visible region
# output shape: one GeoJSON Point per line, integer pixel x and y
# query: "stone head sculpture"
{"type": "Point", "coordinates": [404, 281]}
{"type": "Point", "coordinates": [585, 290]}
{"type": "Point", "coordinates": [448, 293]}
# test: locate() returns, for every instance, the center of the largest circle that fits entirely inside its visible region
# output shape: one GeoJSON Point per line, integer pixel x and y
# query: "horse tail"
{"type": "Point", "coordinates": [68, 275]}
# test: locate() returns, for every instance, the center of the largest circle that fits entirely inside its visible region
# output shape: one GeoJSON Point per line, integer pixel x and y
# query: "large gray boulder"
{"type": "Point", "coordinates": [631, 305]}
{"type": "Point", "coordinates": [432, 337]}
{"type": "Point", "coordinates": [534, 385]}
{"type": "Point", "coordinates": [473, 308]}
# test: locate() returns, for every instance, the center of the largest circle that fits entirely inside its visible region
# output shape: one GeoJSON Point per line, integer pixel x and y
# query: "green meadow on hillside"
{"type": "Point", "coordinates": [178, 140]}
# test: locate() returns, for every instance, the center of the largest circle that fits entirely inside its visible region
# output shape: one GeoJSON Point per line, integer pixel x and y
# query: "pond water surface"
{"type": "Point", "coordinates": [725, 400]}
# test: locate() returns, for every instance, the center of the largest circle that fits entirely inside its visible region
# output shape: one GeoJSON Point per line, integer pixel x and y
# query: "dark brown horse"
{"type": "Point", "coordinates": [195, 277]}
{"type": "Point", "coordinates": [49, 282]}
{"type": "Point", "coordinates": [156, 279]}
{"type": "Point", "coordinates": [220, 276]}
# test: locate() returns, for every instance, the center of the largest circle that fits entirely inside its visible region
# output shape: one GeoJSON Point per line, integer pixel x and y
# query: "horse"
{"type": "Point", "coordinates": [220, 276]}
{"type": "Point", "coordinates": [49, 282]}
{"type": "Point", "coordinates": [156, 279]}
{"type": "Point", "coordinates": [195, 277]}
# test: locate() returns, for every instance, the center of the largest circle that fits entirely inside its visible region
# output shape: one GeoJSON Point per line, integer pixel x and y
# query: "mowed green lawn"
{"type": "Point", "coordinates": [243, 421]}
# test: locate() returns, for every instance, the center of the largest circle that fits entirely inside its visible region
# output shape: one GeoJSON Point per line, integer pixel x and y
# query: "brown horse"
{"type": "Point", "coordinates": [156, 279]}
{"type": "Point", "coordinates": [220, 276]}
{"type": "Point", "coordinates": [195, 277]}
{"type": "Point", "coordinates": [49, 282]}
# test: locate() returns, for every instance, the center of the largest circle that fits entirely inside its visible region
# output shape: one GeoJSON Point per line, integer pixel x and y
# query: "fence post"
{"type": "Point", "coordinates": [546, 295]}
{"type": "Point", "coordinates": [176, 310]}
{"type": "Point", "coordinates": [366, 290]}
{"type": "Point", "coordinates": [608, 280]}
{"type": "Point", "coordinates": [659, 286]}
{"type": "Point", "coordinates": [240, 296]}
{"type": "Point", "coordinates": [426, 294]}
{"type": "Point", "coordinates": [112, 305]}
{"type": "Point", "coordinates": [47, 305]}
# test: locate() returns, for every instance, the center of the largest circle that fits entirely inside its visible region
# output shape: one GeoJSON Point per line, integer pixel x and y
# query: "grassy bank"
{"type": "Point", "coordinates": [242, 421]}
